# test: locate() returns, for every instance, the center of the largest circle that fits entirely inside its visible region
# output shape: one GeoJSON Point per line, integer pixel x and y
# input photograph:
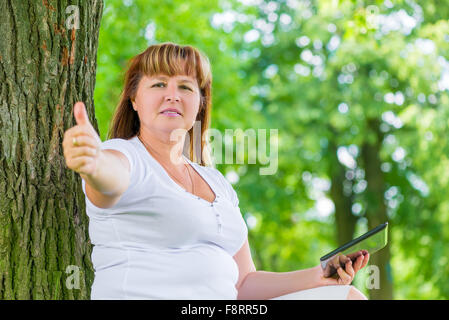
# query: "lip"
{"type": "Point", "coordinates": [173, 110]}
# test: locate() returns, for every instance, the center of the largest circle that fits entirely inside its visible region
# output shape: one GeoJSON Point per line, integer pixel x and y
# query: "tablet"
{"type": "Point", "coordinates": [370, 242]}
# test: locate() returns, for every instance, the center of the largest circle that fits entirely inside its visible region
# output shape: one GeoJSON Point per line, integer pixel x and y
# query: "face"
{"type": "Point", "coordinates": [160, 92]}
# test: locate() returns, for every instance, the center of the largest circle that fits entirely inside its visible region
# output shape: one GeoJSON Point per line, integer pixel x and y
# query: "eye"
{"type": "Point", "coordinates": [163, 84]}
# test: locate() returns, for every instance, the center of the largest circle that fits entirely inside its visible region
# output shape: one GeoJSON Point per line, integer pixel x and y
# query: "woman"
{"type": "Point", "coordinates": [162, 225]}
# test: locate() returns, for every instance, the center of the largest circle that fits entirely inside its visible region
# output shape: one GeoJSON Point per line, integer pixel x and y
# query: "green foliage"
{"type": "Point", "coordinates": [319, 72]}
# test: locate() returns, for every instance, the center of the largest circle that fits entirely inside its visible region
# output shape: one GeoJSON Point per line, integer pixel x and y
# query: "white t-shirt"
{"type": "Point", "coordinates": [161, 241]}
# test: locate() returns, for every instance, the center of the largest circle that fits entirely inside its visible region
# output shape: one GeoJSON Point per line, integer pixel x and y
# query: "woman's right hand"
{"type": "Point", "coordinates": [82, 154]}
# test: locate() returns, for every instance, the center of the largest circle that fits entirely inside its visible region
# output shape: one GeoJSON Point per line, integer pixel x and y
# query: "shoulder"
{"type": "Point", "coordinates": [128, 147]}
{"type": "Point", "coordinates": [120, 142]}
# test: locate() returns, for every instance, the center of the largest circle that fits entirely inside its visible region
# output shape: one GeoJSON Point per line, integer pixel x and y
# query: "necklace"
{"type": "Point", "coordinates": [188, 171]}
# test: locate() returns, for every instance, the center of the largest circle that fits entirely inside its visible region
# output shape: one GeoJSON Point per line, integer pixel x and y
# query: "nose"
{"type": "Point", "coordinates": [172, 98]}
{"type": "Point", "coordinates": [172, 94]}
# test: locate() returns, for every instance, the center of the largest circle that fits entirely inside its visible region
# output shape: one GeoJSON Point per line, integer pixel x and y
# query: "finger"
{"type": "Point", "coordinates": [80, 113]}
{"type": "Point", "coordinates": [79, 131]}
{"type": "Point", "coordinates": [358, 263]}
{"type": "Point", "coordinates": [343, 260]}
{"type": "Point", "coordinates": [83, 151]}
{"type": "Point", "coordinates": [83, 141]}
{"type": "Point", "coordinates": [87, 169]}
{"type": "Point", "coordinates": [76, 131]}
{"type": "Point", "coordinates": [355, 255]}
{"type": "Point", "coordinates": [77, 163]}
{"type": "Point", "coordinates": [344, 277]}
{"type": "Point", "coordinates": [71, 151]}
{"type": "Point", "coordinates": [365, 260]}
{"type": "Point", "coordinates": [349, 269]}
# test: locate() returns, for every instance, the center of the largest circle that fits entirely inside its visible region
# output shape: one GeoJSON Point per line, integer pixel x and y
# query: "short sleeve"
{"type": "Point", "coordinates": [125, 147]}
{"type": "Point", "coordinates": [234, 197]}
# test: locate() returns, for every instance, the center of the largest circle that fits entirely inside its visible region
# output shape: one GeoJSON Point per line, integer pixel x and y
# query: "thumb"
{"type": "Point", "coordinates": [79, 110]}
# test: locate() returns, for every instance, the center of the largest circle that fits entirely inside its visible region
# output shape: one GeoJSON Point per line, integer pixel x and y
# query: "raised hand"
{"type": "Point", "coordinates": [81, 143]}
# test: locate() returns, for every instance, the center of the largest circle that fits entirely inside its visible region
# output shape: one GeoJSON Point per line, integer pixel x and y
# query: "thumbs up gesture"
{"type": "Point", "coordinates": [81, 143]}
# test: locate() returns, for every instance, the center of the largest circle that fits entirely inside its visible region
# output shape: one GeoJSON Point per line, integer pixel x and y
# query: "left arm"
{"type": "Point", "coordinates": [260, 285]}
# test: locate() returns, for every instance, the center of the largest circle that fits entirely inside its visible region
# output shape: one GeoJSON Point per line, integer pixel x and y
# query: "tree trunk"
{"type": "Point", "coordinates": [345, 220]}
{"type": "Point", "coordinates": [47, 62]}
{"type": "Point", "coordinates": [377, 212]}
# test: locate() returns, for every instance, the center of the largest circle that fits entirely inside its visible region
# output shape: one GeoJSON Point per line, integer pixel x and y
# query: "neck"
{"type": "Point", "coordinates": [162, 148]}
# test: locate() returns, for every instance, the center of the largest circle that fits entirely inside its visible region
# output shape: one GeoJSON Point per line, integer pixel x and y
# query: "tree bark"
{"type": "Point", "coordinates": [46, 64]}
{"type": "Point", "coordinates": [377, 212]}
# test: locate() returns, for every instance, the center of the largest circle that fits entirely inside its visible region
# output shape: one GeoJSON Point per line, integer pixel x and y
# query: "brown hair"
{"type": "Point", "coordinates": [169, 59]}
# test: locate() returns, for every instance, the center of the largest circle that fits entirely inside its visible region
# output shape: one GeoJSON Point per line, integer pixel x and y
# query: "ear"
{"type": "Point", "coordinates": [133, 104]}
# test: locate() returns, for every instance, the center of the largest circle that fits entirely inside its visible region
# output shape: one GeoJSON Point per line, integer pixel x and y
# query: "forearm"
{"type": "Point", "coordinates": [110, 177]}
{"type": "Point", "coordinates": [262, 285]}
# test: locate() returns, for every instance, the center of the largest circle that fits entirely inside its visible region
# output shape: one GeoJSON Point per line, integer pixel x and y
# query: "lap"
{"type": "Point", "coordinates": [339, 292]}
